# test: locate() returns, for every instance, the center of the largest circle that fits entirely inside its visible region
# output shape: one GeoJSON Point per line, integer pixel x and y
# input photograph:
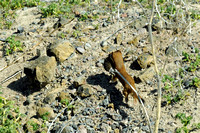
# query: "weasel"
{"type": "Point", "coordinates": [115, 60]}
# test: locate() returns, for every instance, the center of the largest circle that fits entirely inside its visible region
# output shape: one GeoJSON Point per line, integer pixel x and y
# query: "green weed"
{"type": "Point", "coordinates": [45, 116]}
{"type": "Point", "coordinates": [195, 82]}
{"type": "Point", "coordinates": [185, 120]}
{"type": "Point", "coordinates": [13, 45]}
{"type": "Point", "coordinates": [52, 9]}
{"type": "Point", "coordinates": [67, 104]}
{"type": "Point", "coordinates": [193, 60]}
{"type": "Point", "coordinates": [171, 94]}
{"type": "Point", "coordinates": [10, 117]}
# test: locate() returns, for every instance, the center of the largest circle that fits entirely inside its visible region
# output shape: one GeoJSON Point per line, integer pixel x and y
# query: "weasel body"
{"type": "Point", "coordinates": [116, 62]}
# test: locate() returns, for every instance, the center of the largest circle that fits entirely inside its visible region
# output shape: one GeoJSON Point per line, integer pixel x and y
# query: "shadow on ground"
{"type": "Point", "coordinates": [116, 96]}
{"type": "Point", "coordinates": [23, 86]}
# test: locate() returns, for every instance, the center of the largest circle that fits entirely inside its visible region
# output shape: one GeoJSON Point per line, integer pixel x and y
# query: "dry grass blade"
{"type": "Point", "coordinates": [156, 69]}
{"type": "Point", "coordinates": [144, 109]}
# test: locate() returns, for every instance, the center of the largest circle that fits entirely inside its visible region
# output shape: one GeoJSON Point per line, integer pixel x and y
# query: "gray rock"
{"type": "Point", "coordinates": [88, 46]}
{"type": "Point", "coordinates": [61, 50]}
{"type": "Point", "coordinates": [68, 129]}
{"type": "Point", "coordinates": [145, 128]}
{"type": "Point", "coordinates": [49, 98]}
{"type": "Point", "coordinates": [80, 50]}
{"type": "Point", "coordinates": [20, 29]}
{"type": "Point", "coordinates": [84, 91]}
{"type": "Point", "coordinates": [41, 71]}
{"type": "Point", "coordinates": [105, 24]}
{"type": "Point", "coordinates": [174, 50]}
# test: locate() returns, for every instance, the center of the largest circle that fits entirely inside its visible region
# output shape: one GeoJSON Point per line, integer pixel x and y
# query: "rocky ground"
{"type": "Point", "coordinates": [61, 70]}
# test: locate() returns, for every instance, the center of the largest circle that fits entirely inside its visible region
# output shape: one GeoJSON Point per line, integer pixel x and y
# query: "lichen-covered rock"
{"type": "Point", "coordinates": [46, 112]}
{"type": "Point", "coordinates": [64, 96]}
{"type": "Point", "coordinates": [61, 50]}
{"type": "Point", "coordinates": [145, 60]}
{"type": "Point", "coordinates": [41, 70]}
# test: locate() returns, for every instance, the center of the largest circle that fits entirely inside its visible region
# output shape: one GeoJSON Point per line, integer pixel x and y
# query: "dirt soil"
{"type": "Point", "coordinates": [85, 66]}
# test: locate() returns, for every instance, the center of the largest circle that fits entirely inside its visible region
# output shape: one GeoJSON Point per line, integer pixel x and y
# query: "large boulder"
{"type": "Point", "coordinates": [41, 71]}
{"type": "Point", "coordinates": [61, 50]}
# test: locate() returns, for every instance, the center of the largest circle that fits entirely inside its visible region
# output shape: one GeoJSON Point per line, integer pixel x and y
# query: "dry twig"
{"type": "Point", "coordinates": [156, 69]}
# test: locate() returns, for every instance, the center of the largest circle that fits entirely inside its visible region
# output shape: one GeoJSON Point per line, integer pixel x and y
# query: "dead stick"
{"type": "Point", "coordinates": [156, 69]}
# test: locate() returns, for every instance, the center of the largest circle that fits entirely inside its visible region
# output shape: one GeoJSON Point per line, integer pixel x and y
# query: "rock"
{"type": "Point", "coordinates": [105, 24]}
{"type": "Point", "coordinates": [64, 96]}
{"type": "Point", "coordinates": [84, 91]}
{"type": "Point", "coordinates": [61, 50]}
{"type": "Point", "coordinates": [145, 60]}
{"type": "Point", "coordinates": [174, 50]}
{"type": "Point", "coordinates": [147, 74]}
{"type": "Point", "coordinates": [41, 52]}
{"type": "Point", "coordinates": [82, 129]}
{"type": "Point", "coordinates": [41, 71]}
{"type": "Point", "coordinates": [20, 29]}
{"type": "Point", "coordinates": [45, 112]}
{"type": "Point", "coordinates": [87, 46]}
{"type": "Point", "coordinates": [142, 31]}
{"type": "Point", "coordinates": [118, 39]}
{"type": "Point", "coordinates": [145, 128]}
{"type": "Point", "coordinates": [134, 41]}
{"type": "Point", "coordinates": [68, 129]}
{"type": "Point", "coordinates": [50, 98]}
{"type": "Point", "coordinates": [80, 50]}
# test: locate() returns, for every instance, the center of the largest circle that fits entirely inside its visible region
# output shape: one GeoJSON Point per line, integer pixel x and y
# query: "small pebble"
{"type": "Point", "coordinates": [80, 50]}
{"type": "Point", "coordinates": [87, 46]}
{"type": "Point", "coordinates": [20, 29]}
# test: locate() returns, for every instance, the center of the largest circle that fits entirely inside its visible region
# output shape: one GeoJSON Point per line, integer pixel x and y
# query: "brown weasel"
{"type": "Point", "coordinates": [115, 60]}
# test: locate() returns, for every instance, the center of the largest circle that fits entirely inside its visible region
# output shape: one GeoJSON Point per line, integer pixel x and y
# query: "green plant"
{"type": "Point", "coordinates": [52, 9]}
{"type": "Point", "coordinates": [76, 33]}
{"type": "Point", "coordinates": [67, 104]}
{"type": "Point", "coordinates": [45, 116]}
{"type": "Point", "coordinates": [33, 125]}
{"type": "Point", "coordinates": [193, 60]}
{"type": "Point", "coordinates": [185, 120]}
{"type": "Point", "coordinates": [13, 45]}
{"type": "Point", "coordinates": [170, 93]}
{"type": "Point", "coordinates": [10, 117]}
{"type": "Point", "coordinates": [195, 82]}
{"type": "Point", "coordinates": [83, 17]}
